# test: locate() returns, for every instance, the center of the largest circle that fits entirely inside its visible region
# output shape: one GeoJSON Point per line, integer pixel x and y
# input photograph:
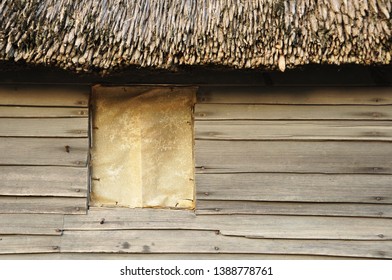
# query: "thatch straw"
{"type": "Point", "coordinates": [110, 34]}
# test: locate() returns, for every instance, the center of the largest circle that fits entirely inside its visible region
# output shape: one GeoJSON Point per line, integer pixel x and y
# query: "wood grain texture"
{"type": "Point", "coordinates": [294, 130]}
{"type": "Point", "coordinates": [30, 224]}
{"type": "Point", "coordinates": [295, 187]}
{"type": "Point", "coordinates": [290, 112]}
{"type": "Point", "coordinates": [47, 127]}
{"type": "Point", "coordinates": [43, 181]}
{"type": "Point", "coordinates": [172, 241]}
{"type": "Point", "coordinates": [42, 112]}
{"type": "Point", "coordinates": [25, 244]}
{"type": "Point", "coordinates": [44, 151]}
{"type": "Point", "coordinates": [255, 226]}
{"type": "Point", "coordinates": [296, 95]}
{"type": "Point", "coordinates": [46, 205]}
{"type": "Point", "coordinates": [225, 207]}
{"type": "Point", "coordinates": [160, 256]}
{"type": "Point", "coordinates": [291, 156]}
{"type": "Point", "coordinates": [44, 96]}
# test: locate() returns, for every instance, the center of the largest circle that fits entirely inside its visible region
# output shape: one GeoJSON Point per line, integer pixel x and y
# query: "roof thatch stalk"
{"type": "Point", "coordinates": [86, 35]}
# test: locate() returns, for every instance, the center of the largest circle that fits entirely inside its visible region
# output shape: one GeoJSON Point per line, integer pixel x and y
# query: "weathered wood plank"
{"type": "Point", "coordinates": [290, 112]}
{"type": "Point", "coordinates": [182, 256]}
{"type": "Point", "coordinates": [172, 241]}
{"type": "Point", "coordinates": [44, 96]}
{"type": "Point", "coordinates": [49, 127]}
{"type": "Point", "coordinates": [218, 207]}
{"type": "Point", "coordinates": [25, 244]}
{"type": "Point", "coordinates": [292, 156]}
{"type": "Point", "coordinates": [296, 95]}
{"type": "Point", "coordinates": [294, 130]}
{"type": "Point", "coordinates": [49, 205]}
{"type": "Point", "coordinates": [44, 151]}
{"type": "Point", "coordinates": [263, 226]}
{"type": "Point", "coordinates": [295, 187]}
{"type": "Point", "coordinates": [42, 112]}
{"type": "Point", "coordinates": [43, 181]}
{"type": "Point", "coordinates": [31, 224]}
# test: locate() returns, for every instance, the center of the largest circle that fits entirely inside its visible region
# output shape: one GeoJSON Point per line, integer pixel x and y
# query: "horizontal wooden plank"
{"type": "Point", "coordinates": [290, 112]}
{"type": "Point", "coordinates": [44, 96]}
{"type": "Point", "coordinates": [47, 127]}
{"type": "Point", "coordinates": [42, 112]}
{"type": "Point", "coordinates": [171, 241]}
{"type": "Point", "coordinates": [43, 181]}
{"type": "Point", "coordinates": [227, 207]}
{"type": "Point", "coordinates": [296, 95]}
{"type": "Point", "coordinates": [295, 187]}
{"type": "Point", "coordinates": [160, 256]}
{"type": "Point", "coordinates": [261, 226]}
{"type": "Point", "coordinates": [25, 244]}
{"type": "Point", "coordinates": [30, 224]}
{"type": "Point", "coordinates": [50, 205]}
{"type": "Point", "coordinates": [44, 151]}
{"type": "Point", "coordinates": [293, 156]}
{"type": "Point", "coordinates": [294, 130]}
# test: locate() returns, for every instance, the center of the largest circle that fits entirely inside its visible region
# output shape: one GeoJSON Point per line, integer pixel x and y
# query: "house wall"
{"type": "Point", "coordinates": [281, 173]}
{"type": "Point", "coordinates": [44, 150]}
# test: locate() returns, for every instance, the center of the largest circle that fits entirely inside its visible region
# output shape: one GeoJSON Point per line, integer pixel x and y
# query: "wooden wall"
{"type": "Point", "coordinates": [44, 150]}
{"type": "Point", "coordinates": [281, 173]}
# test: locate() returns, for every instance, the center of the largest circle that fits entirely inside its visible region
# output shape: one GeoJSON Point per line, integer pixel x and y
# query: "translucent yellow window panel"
{"type": "Point", "coordinates": [142, 152]}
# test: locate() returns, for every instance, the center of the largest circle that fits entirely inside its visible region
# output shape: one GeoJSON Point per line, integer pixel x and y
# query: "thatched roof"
{"type": "Point", "coordinates": [110, 34]}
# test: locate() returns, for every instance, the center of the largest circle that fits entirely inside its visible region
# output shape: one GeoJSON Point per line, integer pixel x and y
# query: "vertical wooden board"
{"type": "Point", "coordinates": [43, 181]}
{"type": "Point", "coordinates": [45, 205]}
{"type": "Point", "coordinates": [44, 151]}
{"type": "Point", "coordinates": [46, 127]}
{"type": "Point", "coordinates": [294, 130]}
{"type": "Point", "coordinates": [286, 156]}
{"type": "Point", "coordinates": [354, 188]}
{"type": "Point", "coordinates": [44, 96]}
{"type": "Point", "coordinates": [42, 112]}
{"type": "Point", "coordinates": [296, 95]}
{"type": "Point", "coordinates": [290, 112]}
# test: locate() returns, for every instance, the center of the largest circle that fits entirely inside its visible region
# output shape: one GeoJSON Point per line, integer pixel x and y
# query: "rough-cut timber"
{"type": "Point", "coordinates": [107, 35]}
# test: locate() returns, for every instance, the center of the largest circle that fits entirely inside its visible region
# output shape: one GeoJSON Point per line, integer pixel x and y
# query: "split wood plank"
{"type": "Point", "coordinates": [44, 151]}
{"type": "Point", "coordinates": [296, 95]}
{"type": "Point", "coordinates": [42, 112]}
{"type": "Point", "coordinates": [295, 187]}
{"type": "Point", "coordinates": [182, 256]}
{"type": "Point", "coordinates": [43, 181]}
{"type": "Point", "coordinates": [30, 224]}
{"type": "Point", "coordinates": [25, 244]}
{"type": "Point", "coordinates": [291, 156]}
{"type": "Point", "coordinates": [218, 207]}
{"type": "Point", "coordinates": [47, 127]}
{"type": "Point", "coordinates": [256, 226]}
{"type": "Point", "coordinates": [290, 112]}
{"type": "Point", "coordinates": [44, 96]}
{"type": "Point", "coordinates": [45, 205]}
{"type": "Point", "coordinates": [294, 130]}
{"type": "Point", "coordinates": [173, 241]}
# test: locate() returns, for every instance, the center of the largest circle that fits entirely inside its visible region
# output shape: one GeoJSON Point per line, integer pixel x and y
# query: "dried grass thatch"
{"type": "Point", "coordinates": [84, 35]}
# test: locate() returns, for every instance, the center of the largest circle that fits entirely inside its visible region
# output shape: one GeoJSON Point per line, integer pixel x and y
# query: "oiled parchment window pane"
{"type": "Point", "coordinates": [142, 153]}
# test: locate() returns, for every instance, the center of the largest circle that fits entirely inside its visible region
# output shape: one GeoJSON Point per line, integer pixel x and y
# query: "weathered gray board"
{"type": "Point", "coordinates": [296, 95]}
{"type": "Point", "coordinates": [231, 207]}
{"type": "Point", "coordinates": [294, 130]}
{"type": "Point", "coordinates": [293, 156]}
{"type": "Point", "coordinates": [44, 146]}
